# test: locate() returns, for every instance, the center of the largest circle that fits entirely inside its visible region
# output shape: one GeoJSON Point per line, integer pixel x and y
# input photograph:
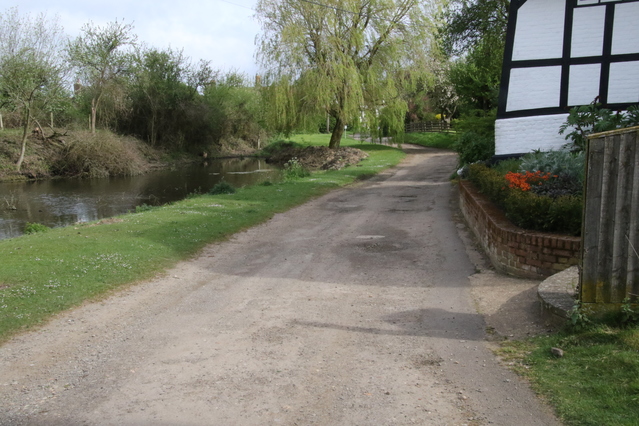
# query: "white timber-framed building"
{"type": "Point", "coordinates": [560, 54]}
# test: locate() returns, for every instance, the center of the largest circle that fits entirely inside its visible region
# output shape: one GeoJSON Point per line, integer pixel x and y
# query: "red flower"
{"type": "Point", "coordinates": [523, 181]}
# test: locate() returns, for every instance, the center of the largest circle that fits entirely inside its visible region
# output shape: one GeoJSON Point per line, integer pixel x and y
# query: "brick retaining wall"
{"type": "Point", "coordinates": [511, 249]}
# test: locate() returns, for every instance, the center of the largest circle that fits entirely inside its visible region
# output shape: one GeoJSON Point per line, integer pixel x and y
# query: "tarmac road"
{"type": "Point", "coordinates": [353, 309]}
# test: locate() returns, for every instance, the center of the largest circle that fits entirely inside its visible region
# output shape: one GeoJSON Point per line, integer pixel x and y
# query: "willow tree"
{"type": "Point", "coordinates": [350, 59]}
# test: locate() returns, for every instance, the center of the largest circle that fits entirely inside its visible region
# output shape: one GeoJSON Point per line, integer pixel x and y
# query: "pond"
{"type": "Point", "coordinates": [62, 202]}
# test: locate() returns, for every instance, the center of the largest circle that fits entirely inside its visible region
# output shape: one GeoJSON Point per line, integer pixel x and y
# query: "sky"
{"type": "Point", "coordinates": [220, 31]}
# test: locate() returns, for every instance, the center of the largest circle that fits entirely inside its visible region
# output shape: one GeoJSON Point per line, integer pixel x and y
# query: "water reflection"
{"type": "Point", "coordinates": [67, 201]}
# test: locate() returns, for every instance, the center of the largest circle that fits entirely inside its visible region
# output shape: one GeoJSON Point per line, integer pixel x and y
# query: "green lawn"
{"type": "Point", "coordinates": [432, 140]}
{"type": "Point", "coordinates": [45, 273]}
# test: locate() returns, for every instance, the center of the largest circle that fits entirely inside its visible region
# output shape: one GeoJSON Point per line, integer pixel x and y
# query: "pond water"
{"type": "Point", "coordinates": [62, 202]}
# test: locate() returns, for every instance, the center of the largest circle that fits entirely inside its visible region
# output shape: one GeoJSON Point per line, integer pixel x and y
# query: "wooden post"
{"type": "Point", "coordinates": [52, 120]}
{"type": "Point", "coordinates": [1, 123]}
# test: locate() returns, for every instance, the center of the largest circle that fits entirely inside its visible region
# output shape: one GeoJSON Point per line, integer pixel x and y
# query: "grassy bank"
{"type": "Point", "coordinates": [433, 140]}
{"type": "Point", "coordinates": [45, 273]}
{"type": "Point", "coordinates": [595, 383]}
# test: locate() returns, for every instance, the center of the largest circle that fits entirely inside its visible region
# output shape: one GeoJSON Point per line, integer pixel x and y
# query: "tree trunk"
{"type": "Point", "coordinates": [94, 109]}
{"type": "Point", "coordinates": [338, 131]}
{"type": "Point", "coordinates": [25, 132]}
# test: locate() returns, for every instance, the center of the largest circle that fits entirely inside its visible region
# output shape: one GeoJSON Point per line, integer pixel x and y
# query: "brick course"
{"type": "Point", "coordinates": [511, 249]}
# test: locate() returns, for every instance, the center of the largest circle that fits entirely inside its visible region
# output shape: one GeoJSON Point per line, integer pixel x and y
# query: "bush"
{"type": "Point", "coordinates": [489, 182]}
{"type": "Point", "coordinates": [562, 162]}
{"type": "Point", "coordinates": [102, 154]}
{"type": "Point", "coordinates": [478, 121]}
{"type": "Point", "coordinates": [505, 166]}
{"type": "Point", "coordinates": [568, 169]}
{"type": "Point", "coordinates": [143, 208]}
{"type": "Point", "coordinates": [593, 118]}
{"type": "Point", "coordinates": [473, 147]}
{"type": "Point", "coordinates": [222, 187]}
{"type": "Point", "coordinates": [32, 228]}
{"type": "Point", "coordinates": [277, 146]}
{"type": "Point", "coordinates": [293, 169]}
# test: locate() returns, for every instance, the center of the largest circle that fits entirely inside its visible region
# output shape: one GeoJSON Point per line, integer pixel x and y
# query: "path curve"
{"type": "Point", "coordinates": [353, 309]}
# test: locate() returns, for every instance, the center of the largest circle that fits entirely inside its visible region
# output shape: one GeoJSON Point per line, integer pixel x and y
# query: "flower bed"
{"type": "Point", "coordinates": [531, 200]}
{"type": "Point", "coordinates": [511, 249]}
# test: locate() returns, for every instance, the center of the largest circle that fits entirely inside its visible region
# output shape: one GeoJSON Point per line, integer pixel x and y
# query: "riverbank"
{"type": "Point", "coordinates": [82, 154]}
{"type": "Point", "coordinates": [38, 279]}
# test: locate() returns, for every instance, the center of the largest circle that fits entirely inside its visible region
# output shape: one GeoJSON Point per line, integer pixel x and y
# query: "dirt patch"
{"type": "Point", "coordinates": [319, 157]}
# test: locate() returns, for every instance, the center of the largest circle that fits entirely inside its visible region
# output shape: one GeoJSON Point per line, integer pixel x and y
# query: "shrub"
{"type": "Point", "coordinates": [473, 147]}
{"type": "Point", "coordinates": [489, 182]}
{"type": "Point", "coordinates": [593, 118]}
{"type": "Point", "coordinates": [32, 228]}
{"type": "Point", "coordinates": [277, 146]}
{"type": "Point", "coordinates": [562, 162]}
{"type": "Point", "coordinates": [293, 169]}
{"type": "Point", "coordinates": [505, 166]}
{"type": "Point", "coordinates": [222, 187]}
{"type": "Point", "coordinates": [101, 155]}
{"type": "Point", "coordinates": [144, 208]}
{"type": "Point", "coordinates": [568, 169]}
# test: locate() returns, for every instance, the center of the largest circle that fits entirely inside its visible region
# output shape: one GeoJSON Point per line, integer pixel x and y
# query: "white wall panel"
{"type": "Point", "coordinates": [526, 134]}
{"type": "Point", "coordinates": [583, 85]}
{"type": "Point", "coordinates": [625, 34]}
{"type": "Point", "coordinates": [624, 82]}
{"type": "Point", "coordinates": [588, 31]}
{"type": "Point", "coordinates": [532, 88]}
{"type": "Point", "coordinates": [539, 31]}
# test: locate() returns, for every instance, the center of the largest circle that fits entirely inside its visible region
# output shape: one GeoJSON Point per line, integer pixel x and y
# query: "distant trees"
{"type": "Point", "coordinates": [31, 69]}
{"type": "Point", "coordinates": [347, 59]}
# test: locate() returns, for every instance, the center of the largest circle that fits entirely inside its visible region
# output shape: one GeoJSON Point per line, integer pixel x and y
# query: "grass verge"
{"type": "Point", "coordinates": [595, 383]}
{"type": "Point", "coordinates": [45, 273]}
{"type": "Point", "coordinates": [432, 140]}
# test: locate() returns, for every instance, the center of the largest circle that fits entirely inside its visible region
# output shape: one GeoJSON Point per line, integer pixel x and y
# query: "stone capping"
{"type": "Point", "coordinates": [513, 250]}
{"type": "Point", "coordinates": [558, 294]}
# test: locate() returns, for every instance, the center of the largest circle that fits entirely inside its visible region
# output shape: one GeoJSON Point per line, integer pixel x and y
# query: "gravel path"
{"type": "Point", "coordinates": [353, 309]}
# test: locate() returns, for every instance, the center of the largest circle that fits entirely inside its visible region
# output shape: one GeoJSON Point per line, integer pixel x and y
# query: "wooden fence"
{"type": "Point", "coordinates": [610, 234]}
{"type": "Point", "coordinates": [427, 126]}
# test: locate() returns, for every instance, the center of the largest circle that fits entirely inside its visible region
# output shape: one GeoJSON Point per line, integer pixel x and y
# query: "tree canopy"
{"type": "Point", "coordinates": [350, 59]}
{"type": "Point", "coordinates": [473, 36]}
{"type": "Point", "coordinates": [101, 59]}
